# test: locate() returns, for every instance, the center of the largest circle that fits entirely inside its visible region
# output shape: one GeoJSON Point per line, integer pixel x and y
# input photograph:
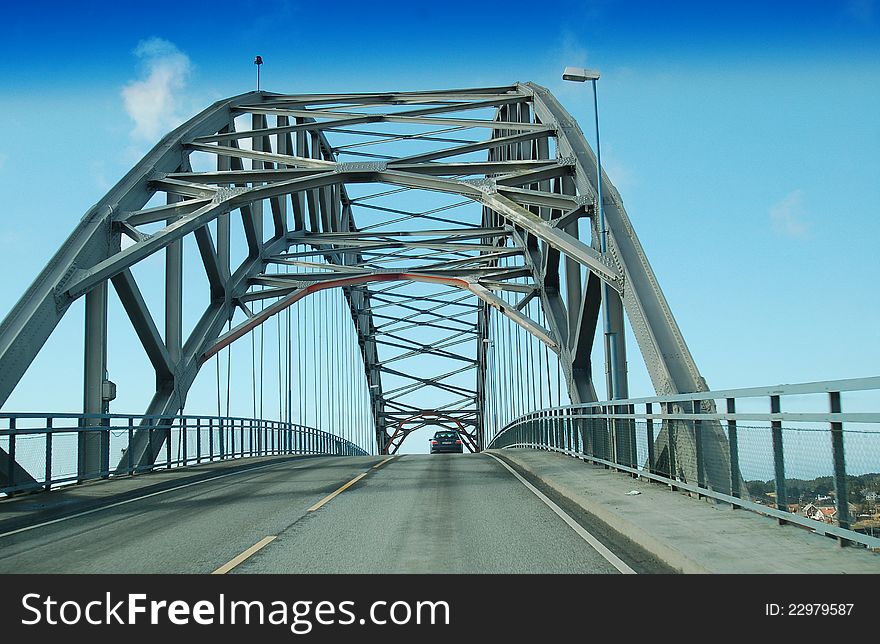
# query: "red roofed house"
{"type": "Point", "coordinates": [824, 514]}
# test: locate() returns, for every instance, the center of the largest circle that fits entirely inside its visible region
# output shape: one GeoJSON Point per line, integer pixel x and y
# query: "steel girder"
{"type": "Point", "coordinates": [668, 360]}
{"type": "Point", "coordinates": [420, 275]}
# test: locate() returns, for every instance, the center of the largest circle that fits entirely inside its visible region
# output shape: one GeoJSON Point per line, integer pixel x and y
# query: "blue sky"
{"type": "Point", "coordinates": [742, 136]}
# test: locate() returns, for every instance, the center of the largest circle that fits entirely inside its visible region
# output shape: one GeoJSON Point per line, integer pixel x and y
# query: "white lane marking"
{"type": "Point", "coordinates": [612, 558]}
{"type": "Point", "coordinates": [139, 498]}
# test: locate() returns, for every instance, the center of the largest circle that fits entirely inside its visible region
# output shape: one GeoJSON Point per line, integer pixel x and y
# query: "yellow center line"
{"type": "Point", "coordinates": [259, 545]}
{"type": "Point", "coordinates": [332, 496]}
{"type": "Point", "coordinates": [377, 466]}
{"type": "Point", "coordinates": [262, 543]}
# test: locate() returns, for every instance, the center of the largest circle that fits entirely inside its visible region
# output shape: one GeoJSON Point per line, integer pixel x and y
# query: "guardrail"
{"type": "Point", "coordinates": [47, 445]}
{"type": "Point", "coordinates": [799, 465]}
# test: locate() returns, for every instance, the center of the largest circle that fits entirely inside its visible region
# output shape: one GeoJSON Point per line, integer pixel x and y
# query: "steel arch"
{"type": "Point", "coordinates": [534, 177]}
{"type": "Point", "coordinates": [430, 417]}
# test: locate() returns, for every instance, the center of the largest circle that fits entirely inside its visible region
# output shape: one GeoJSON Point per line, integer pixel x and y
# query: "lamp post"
{"type": "Point", "coordinates": [258, 61]}
{"type": "Point", "coordinates": [580, 75]}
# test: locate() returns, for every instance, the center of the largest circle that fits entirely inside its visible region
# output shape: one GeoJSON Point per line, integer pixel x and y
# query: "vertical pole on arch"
{"type": "Point", "coordinates": [93, 454]}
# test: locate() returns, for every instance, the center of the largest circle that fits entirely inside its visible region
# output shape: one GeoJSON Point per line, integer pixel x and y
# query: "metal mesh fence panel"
{"type": "Point", "coordinates": [790, 451]}
{"type": "Point", "coordinates": [44, 451]}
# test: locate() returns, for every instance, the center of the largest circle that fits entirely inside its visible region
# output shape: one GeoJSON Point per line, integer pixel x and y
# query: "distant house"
{"type": "Point", "coordinates": [872, 496]}
{"type": "Point", "coordinates": [820, 513]}
{"type": "Point", "coordinates": [829, 513]}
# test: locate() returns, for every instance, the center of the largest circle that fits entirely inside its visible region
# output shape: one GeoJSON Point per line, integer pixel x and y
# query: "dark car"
{"type": "Point", "coordinates": [446, 442]}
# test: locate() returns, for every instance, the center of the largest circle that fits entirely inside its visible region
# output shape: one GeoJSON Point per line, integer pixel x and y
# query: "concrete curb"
{"type": "Point", "coordinates": [39, 507]}
{"type": "Point", "coordinates": [663, 551]}
{"type": "Point", "coordinates": [684, 533]}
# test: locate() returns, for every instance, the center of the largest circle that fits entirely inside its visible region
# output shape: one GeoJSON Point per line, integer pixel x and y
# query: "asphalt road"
{"type": "Point", "coordinates": [413, 514]}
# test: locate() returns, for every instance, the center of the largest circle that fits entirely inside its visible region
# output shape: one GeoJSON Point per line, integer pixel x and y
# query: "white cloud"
{"type": "Point", "coordinates": [153, 101]}
{"type": "Point", "coordinates": [11, 238]}
{"type": "Point", "coordinates": [789, 216]}
{"type": "Point", "coordinates": [569, 50]}
{"type": "Point", "coordinates": [99, 173]}
{"type": "Point", "coordinates": [621, 174]}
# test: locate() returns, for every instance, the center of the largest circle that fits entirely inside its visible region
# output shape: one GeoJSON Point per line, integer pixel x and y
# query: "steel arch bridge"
{"type": "Point", "coordinates": [437, 213]}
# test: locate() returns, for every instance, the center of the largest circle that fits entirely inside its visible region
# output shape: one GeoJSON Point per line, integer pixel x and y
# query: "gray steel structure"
{"type": "Point", "coordinates": [513, 151]}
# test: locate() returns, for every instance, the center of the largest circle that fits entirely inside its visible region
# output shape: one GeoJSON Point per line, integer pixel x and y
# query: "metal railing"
{"type": "Point", "coordinates": [787, 451]}
{"type": "Point", "coordinates": [47, 446]}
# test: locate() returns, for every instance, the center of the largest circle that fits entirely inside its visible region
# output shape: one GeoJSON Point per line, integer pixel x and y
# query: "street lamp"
{"type": "Point", "coordinates": [258, 61]}
{"type": "Point", "coordinates": [580, 75]}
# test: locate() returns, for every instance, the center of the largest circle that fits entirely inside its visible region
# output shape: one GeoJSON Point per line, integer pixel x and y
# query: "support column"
{"type": "Point", "coordinates": [174, 300]}
{"type": "Point", "coordinates": [573, 288]}
{"type": "Point", "coordinates": [482, 364]}
{"type": "Point", "coordinates": [173, 320]}
{"type": "Point", "coordinates": [616, 376]}
{"type": "Point", "coordinates": [94, 446]}
{"type": "Point", "coordinates": [258, 121]}
{"type": "Point", "coordinates": [223, 254]}
{"type": "Point", "coordinates": [615, 346]}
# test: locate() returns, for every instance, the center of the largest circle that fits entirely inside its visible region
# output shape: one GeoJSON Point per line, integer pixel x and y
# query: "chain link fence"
{"type": "Point", "coordinates": [790, 452]}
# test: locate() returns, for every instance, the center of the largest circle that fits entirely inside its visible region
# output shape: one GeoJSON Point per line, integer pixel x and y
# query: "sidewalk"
{"type": "Point", "coordinates": [688, 534]}
{"type": "Point", "coordinates": [27, 509]}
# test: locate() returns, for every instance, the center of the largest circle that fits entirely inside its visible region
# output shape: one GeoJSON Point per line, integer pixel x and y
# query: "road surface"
{"type": "Point", "coordinates": [444, 513]}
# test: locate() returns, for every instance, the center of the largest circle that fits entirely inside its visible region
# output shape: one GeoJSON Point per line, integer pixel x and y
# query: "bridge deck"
{"type": "Point", "coordinates": [415, 513]}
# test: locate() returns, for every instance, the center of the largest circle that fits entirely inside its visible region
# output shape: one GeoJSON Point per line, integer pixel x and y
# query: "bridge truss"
{"type": "Point", "coordinates": [439, 215]}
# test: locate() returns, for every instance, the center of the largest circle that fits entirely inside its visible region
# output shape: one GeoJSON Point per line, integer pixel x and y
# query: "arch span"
{"type": "Point", "coordinates": [402, 432]}
{"type": "Point", "coordinates": [488, 191]}
{"type": "Point", "coordinates": [303, 291]}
